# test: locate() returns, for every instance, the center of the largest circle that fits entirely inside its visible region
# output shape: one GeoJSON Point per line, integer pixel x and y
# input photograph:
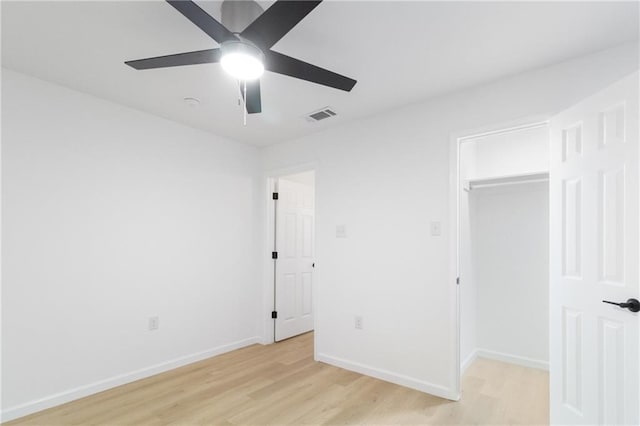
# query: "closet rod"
{"type": "Point", "coordinates": [505, 180]}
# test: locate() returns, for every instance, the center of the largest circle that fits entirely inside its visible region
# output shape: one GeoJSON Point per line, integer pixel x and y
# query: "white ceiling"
{"type": "Point", "coordinates": [400, 53]}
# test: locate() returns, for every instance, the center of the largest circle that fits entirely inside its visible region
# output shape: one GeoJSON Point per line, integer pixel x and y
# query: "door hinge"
{"type": "Point", "coordinates": [274, 314]}
{"type": "Point", "coordinates": [457, 280]}
{"type": "Point", "coordinates": [274, 255]}
{"type": "Point", "coordinates": [274, 195]}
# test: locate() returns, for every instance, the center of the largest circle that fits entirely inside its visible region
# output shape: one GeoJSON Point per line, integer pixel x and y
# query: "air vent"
{"type": "Point", "coordinates": [321, 114]}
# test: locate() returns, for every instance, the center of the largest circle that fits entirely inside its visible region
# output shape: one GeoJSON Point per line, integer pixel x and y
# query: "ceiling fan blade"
{"type": "Point", "coordinates": [283, 64]}
{"type": "Point", "coordinates": [254, 102]}
{"type": "Point", "coordinates": [277, 21]}
{"type": "Point", "coordinates": [202, 20]}
{"type": "Point", "coordinates": [189, 58]}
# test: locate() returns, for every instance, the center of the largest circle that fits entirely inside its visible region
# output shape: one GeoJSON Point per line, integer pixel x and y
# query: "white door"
{"type": "Point", "coordinates": [294, 266]}
{"type": "Point", "coordinates": [594, 359]}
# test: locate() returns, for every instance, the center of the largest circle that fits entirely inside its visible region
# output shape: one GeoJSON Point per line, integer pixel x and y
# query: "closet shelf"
{"type": "Point", "coordinates": [470, 184]}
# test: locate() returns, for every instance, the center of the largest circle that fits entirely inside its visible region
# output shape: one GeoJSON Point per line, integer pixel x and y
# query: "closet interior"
{"type": "Point", "coordinates": [504, 247]}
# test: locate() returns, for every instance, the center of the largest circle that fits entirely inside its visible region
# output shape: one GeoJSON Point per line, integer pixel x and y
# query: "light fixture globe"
{"type": "Point", "coordinates": [242, 60]}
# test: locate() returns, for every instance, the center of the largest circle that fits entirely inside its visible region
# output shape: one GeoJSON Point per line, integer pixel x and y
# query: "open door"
{"type": "Point", "coordinates": [294, 270]}
{"type": "Point", "coordinates": [594, 232]}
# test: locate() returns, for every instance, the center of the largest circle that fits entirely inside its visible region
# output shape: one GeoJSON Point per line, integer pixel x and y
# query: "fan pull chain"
{"type": "Point", "coordinates": [245, 102]}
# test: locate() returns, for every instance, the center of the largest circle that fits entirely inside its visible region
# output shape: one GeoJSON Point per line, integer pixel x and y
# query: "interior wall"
{"type": "Point", "coordinates": [386, 178]}
{"type": "Point", "coordinates": [512, 153]}
{"type": "Point", "coordinates": [111, 216]}
{"type": "Point", "coordinates": [510, 233]}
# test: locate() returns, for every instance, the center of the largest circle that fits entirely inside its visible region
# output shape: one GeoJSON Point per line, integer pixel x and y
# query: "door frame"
{"type": "Point", "coordinates": [456, 139]}
{"type": "Point", "coordinates": [269, 180]}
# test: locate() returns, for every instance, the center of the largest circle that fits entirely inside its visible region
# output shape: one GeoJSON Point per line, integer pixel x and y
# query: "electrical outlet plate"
{"type": "Point", "coordinates": [154, 323]}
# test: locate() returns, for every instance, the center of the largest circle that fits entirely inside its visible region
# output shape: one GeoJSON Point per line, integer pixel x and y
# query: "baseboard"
{"type": "Point", "coordinates": [102, 385]}
{"type": "Point", "coordinates": [388, 376]}
{"type": "Point", "coordinates": [468, 361]}
{"type": "Point", "coordinates": [513, 359]}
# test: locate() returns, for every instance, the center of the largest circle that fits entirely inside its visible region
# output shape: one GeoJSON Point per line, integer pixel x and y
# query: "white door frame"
{"type": "Point", "coordinates": [270, 178]}
{"type": "Point", "coordinates": [456, 139]}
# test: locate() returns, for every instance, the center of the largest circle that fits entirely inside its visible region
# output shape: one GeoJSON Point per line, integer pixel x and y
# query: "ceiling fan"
{"type": "Point", "coordinates": [245, 41]}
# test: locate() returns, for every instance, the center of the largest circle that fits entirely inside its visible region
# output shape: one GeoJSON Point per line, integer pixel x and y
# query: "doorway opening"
{"type": "Point", "coordinates": [502, 194]}
{"type": "Point", "coordinates": [292, 240]}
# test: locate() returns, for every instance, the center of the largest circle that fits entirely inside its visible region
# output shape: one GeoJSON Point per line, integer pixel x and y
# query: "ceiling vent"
{"type": "Point", "coordinates": [321, 114]}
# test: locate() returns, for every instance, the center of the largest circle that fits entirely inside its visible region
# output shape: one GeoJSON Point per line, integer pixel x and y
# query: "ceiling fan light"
{"type": "Point", "coordinates": [242, 60]}
{"type": "Point", "coordinates": [242, 66]}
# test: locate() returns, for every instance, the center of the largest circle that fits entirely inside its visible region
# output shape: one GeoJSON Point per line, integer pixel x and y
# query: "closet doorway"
{"type": "Point", "coordinates": [503, 249]}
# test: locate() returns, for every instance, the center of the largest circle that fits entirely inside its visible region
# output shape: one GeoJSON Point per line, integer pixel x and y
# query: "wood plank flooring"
{"type": "Point", "coordinates": [281, 385]}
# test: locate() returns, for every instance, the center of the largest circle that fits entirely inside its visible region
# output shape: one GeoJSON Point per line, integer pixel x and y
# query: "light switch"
{"type": "Point", "coordinates": [341, 231]}
{"type": "Point", "coordinates": [436, 229]}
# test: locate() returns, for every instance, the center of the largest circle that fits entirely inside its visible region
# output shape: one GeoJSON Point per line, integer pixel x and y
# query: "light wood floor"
{"type": "Point", "coordinates": [281, 384]}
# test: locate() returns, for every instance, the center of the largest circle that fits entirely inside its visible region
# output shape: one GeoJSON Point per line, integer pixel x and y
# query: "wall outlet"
{"type": "Point", "coordinates": [436, 229]}
{"type": "Point", "coordinates": [358, 322]}
{"type": "Point", "coordinates": [154, 323]}
{"type": "Point", "coordinates": [341, 231]}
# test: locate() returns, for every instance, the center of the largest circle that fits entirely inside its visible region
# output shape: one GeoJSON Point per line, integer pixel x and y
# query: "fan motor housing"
{"type": "Point", "coordinates": [243, 46]}
{"type": "Point", "coordinates": [237, 15]}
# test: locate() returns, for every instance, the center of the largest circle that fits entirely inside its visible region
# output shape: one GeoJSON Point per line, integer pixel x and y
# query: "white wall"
{"type": "Point", "coordinates": [512, 153]}
{"type": "Point", "coordinates": [387, 178]}
{"type": "Point", "coordinates": [510, 230]}
{"type": "Point", "coordinates": [110, 216]}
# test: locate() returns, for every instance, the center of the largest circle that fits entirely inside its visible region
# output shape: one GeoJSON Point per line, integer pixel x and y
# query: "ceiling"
{"type": "Point", "coordinates": [400, 53]}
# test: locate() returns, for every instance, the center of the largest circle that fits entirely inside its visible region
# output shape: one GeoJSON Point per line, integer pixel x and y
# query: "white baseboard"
{"type": "Point", "coordinates": [513, 359]}
{"type": "Point", "coordinates": [389, 376]}
{"type": "Point", "coordinates": [102, 385]}
{"type": "Point", "coordinates": [468, 361]}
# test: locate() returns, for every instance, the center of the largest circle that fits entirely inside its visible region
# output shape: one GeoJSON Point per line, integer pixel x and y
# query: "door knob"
{"type": "Point", "coordinates": [631, 304]}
